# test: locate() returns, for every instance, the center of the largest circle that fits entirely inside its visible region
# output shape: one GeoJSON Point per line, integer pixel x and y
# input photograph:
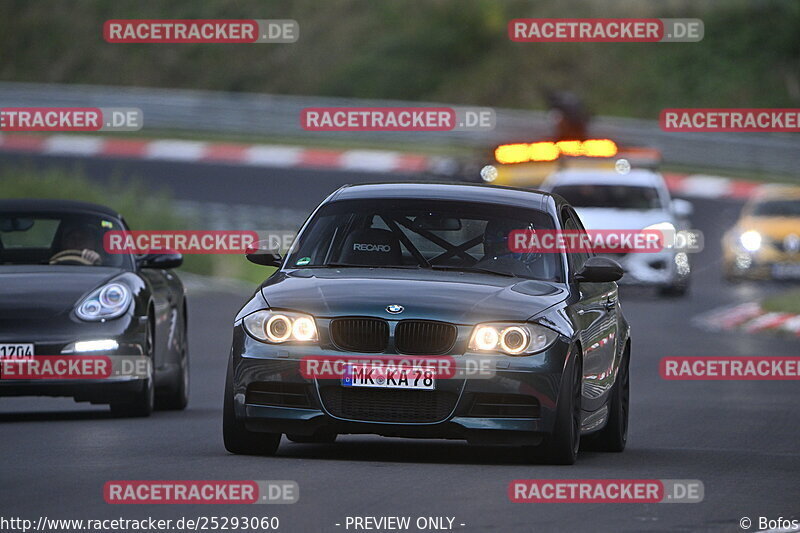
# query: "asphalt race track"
{"type": "Point", "coordinates": [740, 438]}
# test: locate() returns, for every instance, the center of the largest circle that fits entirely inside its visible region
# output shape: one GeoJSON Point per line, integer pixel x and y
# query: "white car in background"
{"type": "Point", "coordinates": [636, 200]}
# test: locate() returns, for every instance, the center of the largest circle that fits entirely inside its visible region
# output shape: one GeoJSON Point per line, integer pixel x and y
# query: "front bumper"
{"type": "Point", "coordinates": [766, 263]}
{"type": "Point", "coordinates": [59, 340]}
{"type": "Point", "coordinates": [515, 406]}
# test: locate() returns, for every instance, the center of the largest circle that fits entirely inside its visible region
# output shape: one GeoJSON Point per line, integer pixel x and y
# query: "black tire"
{"type": "Point", "coordinates": [177, 396]}
{"type": "Point", "coordinates": [614, 436]}
{"type": "Point", "coordinates": [561, 446]}
{"type": "Point", "coordinates": [327, 438]}
{"type": "Point", "coordinates": [236, 437]}
{"type": "Point", "coordinates": [143, 401]}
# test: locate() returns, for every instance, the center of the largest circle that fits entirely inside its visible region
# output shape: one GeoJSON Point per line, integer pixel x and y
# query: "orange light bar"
{"type": "Point", "coordinates": [550, 151]}
{"type": "Point", "coordinates": [543, 151]}
{"type": "Point", "coordinates": [573, 148]}
{"type": "Point", "coordinates": [512, 153]}
{"type": "Point", "coordinates": [599, 148]}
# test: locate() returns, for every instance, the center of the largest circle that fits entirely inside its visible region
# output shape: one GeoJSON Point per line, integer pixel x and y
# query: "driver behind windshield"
{"type": "Point", "coordinates": [499, 257]}
{"type": "Point", "coordinates": [79, 245]}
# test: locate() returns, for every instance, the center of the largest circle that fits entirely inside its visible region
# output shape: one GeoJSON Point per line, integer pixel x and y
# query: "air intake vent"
{"type": "Point", "coordinates": [388, 405]}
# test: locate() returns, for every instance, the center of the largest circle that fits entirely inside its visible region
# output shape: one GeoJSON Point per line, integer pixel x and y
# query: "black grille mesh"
{"type": "Point", "coordinates": [360, 334]}
{"type": "Point", "coordinates": [424, 337]}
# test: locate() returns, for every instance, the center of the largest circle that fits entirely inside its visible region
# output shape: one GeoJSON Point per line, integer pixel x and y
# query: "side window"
{"type": "Point", "coordinates": [573, 223]}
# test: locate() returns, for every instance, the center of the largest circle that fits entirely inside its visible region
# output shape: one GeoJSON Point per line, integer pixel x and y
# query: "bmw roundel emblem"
{"type": "Point", "coordinates": [395, 309]}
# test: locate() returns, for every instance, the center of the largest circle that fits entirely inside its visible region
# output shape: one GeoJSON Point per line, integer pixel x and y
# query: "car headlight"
{"type": "Point", "coordinates": [511, 339]}
{"type": "Point", "coordinates": [667, 229]}
{"type": "Point", "coordinates": [750, 240]}
{"type": "Point", "coordinates": [278, 326]}
{"type": "Point", "coordinates": [107, 302]}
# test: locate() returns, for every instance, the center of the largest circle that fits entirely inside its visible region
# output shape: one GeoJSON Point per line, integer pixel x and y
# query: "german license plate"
{"type": "Point", "coordinates": [786, 271]}
{"type": "Point", "coordinates": [10, 351]}
{"type": "Point", "coordinates": [389, 377]}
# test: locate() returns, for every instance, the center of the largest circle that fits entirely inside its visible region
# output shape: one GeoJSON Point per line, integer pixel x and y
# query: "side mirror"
{"type": "Point", "coordinates": [682, 208]}
{"type": "Point", "coordinates": [163, 261]}
{"type": "Point", "coordinates": [599, 270]}
{"type": "Point", "coordinates": [262, 254]}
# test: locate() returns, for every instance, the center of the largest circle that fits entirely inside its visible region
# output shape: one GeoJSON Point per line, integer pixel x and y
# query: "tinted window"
{"type": "Point", "coordinates": [423, 234]}
{"type": "Point", "coordinates": [778, 208]}
{"type": "Point", "coordinates": [57, 239]}
{"type": "Point", "coordinates": [610, 196]}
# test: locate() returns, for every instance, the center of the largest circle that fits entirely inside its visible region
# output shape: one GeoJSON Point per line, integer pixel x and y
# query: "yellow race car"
{"type": "Point", "coordinates": [765, 242]}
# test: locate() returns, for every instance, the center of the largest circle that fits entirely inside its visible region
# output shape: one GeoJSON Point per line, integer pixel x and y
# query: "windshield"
{"type": "Point", "coordinates": [55, 238]}
{"type": "Point", "coordinates": [778, 208]}
{"type": "Point", "coordinates": [424, 234]}
{"type": "Point", "coordinates": [610, 196]}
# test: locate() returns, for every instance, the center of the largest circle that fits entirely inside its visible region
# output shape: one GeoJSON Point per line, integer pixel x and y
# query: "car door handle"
{"type": "Point", "coordinates": [610, 303]}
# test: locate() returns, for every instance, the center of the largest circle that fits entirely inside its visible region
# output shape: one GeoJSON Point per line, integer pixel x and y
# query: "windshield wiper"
{"type": "Point", "coordinates": [474, 269]}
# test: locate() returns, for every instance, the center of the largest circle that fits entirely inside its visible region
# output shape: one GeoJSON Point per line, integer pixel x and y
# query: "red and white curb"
{"type": "Point", "coordinates": [213, 152]}
{"type": "Point", "coordinates": [750, 318]}
{"type": "Point", "coordinates": [703, 186]}
{"type": "Point", "coordinates": [281, 156]}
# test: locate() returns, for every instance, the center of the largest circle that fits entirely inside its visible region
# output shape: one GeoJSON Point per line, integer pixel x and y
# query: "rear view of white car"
{"type": "Point", "coordinates": [637, 200]}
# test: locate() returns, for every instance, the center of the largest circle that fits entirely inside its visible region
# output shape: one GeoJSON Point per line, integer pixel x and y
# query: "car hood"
{"type": "Point", "coordinates": [462, 298]}
{"type": "Point", "coordinates": [44, 291]}
{"type": "Point", "coordinates": [595, 218]}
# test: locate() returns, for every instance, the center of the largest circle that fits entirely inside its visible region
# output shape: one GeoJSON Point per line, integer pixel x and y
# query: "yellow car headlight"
{"type": "Point", "coordinates": [750, 240]}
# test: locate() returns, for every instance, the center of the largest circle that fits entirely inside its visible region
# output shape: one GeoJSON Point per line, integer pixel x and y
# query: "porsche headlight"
{"type": "Point", "coordinates": [511, 339]}
{"type": "Point", "coordinates": [107, 302]}
{"type": "Point", "coordinates": [277, 327]}
{"type": "Point", "coordinates": [750, 240]}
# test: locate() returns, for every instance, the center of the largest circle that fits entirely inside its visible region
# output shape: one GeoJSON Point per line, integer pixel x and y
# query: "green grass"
{"type": "Point", "coordinates": [142, 207]}
{"type": "Point", "coordinates": [786, 302]}
{"type": "Point", "coordinates": [454, 51]}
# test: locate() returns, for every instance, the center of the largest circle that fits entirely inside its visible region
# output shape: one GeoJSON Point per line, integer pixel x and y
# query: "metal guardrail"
{"type": "Point", "coordinates": [278, 116]}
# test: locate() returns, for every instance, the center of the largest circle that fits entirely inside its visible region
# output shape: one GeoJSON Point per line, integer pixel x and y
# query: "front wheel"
{"type": "Point", "coordinates": [237, 438]}
{"type": "Point", "coordinates": [177, 397]}
{"type": "Point", "coordinates": [561, 446]}
{"type": "Point", "coordinates": [143, 401]}
{"type": "Point", "coordinates": [614, 436]}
